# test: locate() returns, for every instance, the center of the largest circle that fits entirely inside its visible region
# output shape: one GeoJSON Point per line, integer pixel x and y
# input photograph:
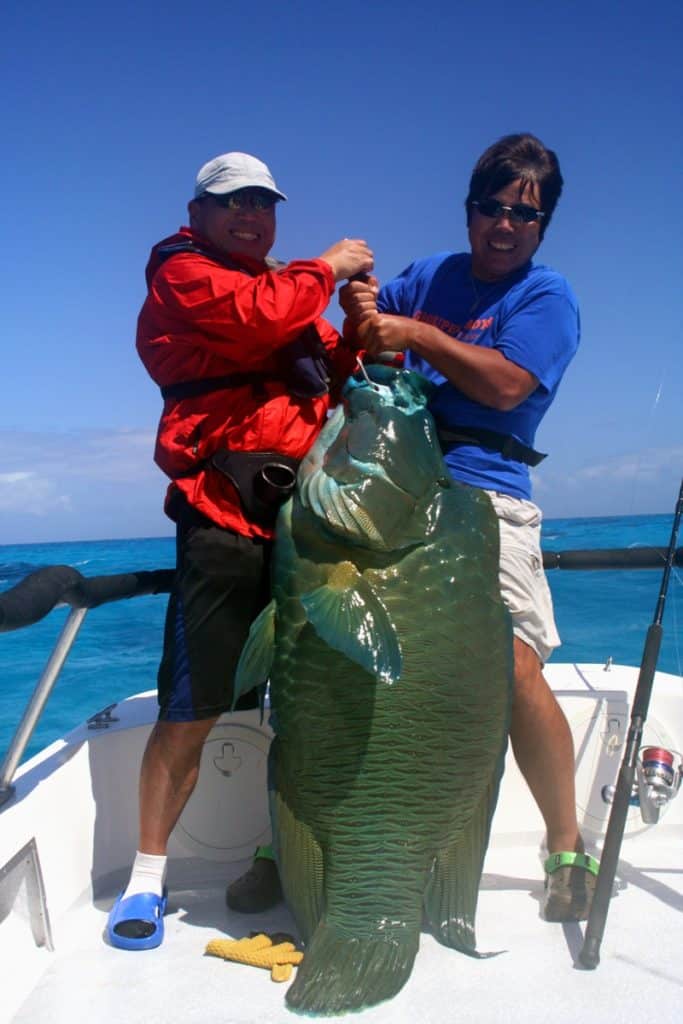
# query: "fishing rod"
{"type": "Point", "coordinates": [589, 955]}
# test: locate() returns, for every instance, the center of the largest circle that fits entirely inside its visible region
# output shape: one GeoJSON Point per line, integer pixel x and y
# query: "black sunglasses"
{"type": "Point", "coordinates": [245, 197]}
{"type": "Point", "coordinates": [521, 213]}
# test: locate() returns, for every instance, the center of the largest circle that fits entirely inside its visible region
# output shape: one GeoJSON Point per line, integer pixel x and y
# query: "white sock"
{"type": "Point", "coordinates": [148, 875]}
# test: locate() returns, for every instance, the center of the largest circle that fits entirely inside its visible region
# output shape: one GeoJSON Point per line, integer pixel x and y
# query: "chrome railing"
{"type": "Point", "coordinates": [31, 600]}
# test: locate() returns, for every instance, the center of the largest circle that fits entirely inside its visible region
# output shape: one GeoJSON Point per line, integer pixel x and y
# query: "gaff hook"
{"type": "Point", "coordinates": [364, 372]}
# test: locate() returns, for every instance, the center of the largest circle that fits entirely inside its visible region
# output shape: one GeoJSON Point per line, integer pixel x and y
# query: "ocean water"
{"type": "Point", "coordinates": [600, 614]}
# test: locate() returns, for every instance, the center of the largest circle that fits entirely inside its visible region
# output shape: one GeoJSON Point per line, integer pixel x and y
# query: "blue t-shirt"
{"type": "Point", "coordinates": [532, 317]}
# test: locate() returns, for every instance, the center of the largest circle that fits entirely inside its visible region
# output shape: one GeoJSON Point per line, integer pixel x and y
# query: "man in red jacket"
{"type": "Point", "coordinates": [246, 367]}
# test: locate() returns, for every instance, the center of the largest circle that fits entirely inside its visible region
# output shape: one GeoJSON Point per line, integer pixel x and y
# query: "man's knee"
{"type": "Point", "coordinates": [179, 742]}
{"type": "Point", "coordinates": [530, 685]}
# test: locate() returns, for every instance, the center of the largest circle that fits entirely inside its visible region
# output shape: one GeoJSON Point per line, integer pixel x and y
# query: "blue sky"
{"type": "Point", "coordinates": [371, 118]}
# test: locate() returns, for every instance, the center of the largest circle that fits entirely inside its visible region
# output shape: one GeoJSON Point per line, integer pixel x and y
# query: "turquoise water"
{"type": "Point", "coordinates": [600, 614]}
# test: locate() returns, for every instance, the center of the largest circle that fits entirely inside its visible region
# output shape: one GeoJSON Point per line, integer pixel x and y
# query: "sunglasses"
{"type": "Point", "coordinates": [520, 213]}
{"type": "Point", "coordinates": [244, 198]}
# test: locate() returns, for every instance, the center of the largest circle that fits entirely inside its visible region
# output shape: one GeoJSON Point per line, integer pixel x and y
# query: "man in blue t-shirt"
{"type": "Point", "coordinates": [495, 333]}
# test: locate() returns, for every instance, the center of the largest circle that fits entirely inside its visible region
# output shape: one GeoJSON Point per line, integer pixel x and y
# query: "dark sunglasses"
{"type": "Point", "coordinates": [240, 200]}
{"type": "Point", "coordinates": [520, 213]}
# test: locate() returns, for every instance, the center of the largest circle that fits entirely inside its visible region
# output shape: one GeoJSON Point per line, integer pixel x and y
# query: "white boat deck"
{"type": "Point", "coordinates": [536, 978]}
{"type": "Point", "coordinates": [75, 806]}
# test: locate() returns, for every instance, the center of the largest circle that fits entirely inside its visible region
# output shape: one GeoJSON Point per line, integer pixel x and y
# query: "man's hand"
{"type": "Point", "coordinates": [358, 299]}
{"type": "Point", "coordinates": [348, 257]}
{"type": "Point", "coordinates": [382, 332]}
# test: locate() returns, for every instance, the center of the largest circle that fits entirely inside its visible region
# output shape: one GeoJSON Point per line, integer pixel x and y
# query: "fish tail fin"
{"type": "Point", "coordinates": [453, 887]}
{"type": "Point", "coordinates": [340, 972]}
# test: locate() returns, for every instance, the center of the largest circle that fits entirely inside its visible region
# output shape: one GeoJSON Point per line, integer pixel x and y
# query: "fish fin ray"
{"type": "Point", "coordinates": [256, 659]}
{"type": "Point", "coordinates": [300, 863]}
{"type": "Point", "coordinates": [347, 614]}
{"type": "Point", "coordinates": [453, 888]}
{"type": "Point", "coordinates": [340, 972]}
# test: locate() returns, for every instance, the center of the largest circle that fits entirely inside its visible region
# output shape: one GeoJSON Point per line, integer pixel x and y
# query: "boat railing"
{"type": "Point", "coordinates": [31, 600]}
{"type": "Point", "coordinates": [41, 591]}
{"type": "Point", "coordinates": [611, 558]}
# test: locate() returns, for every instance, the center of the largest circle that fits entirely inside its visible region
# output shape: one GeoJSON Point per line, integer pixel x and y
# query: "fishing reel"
{"type": "Point", "coordinates": [657, 782]}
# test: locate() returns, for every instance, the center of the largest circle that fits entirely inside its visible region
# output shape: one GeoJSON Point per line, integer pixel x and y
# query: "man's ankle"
{"type": "Point", "coordinates": [148, 874]}
{"type": "Point", "coordinates": [565, 842]}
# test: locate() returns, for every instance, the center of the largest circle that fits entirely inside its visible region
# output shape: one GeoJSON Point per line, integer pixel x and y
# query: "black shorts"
{"type": "Point", "coordinates": [222, 582]}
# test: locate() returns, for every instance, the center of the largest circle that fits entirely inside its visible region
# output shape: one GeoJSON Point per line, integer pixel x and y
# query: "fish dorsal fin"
{"type": "Point", "coordinates": [256, 659]}
{"type": "Point", "coordinates": [347, 614]}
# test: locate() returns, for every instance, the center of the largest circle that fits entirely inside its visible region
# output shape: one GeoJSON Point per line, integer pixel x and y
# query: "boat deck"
{"type": "Point", "coordinates": [75, 813]}
{"type": "Point", "coordinates": [536, 977]}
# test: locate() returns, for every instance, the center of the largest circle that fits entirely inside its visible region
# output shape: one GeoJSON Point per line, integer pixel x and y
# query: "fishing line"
{"type": "Point", "coordinates": [361, 367]}
{"type": "Point", "coordinates": [637, 481]}
{"type": "Point", "coordinates": [674, 615]}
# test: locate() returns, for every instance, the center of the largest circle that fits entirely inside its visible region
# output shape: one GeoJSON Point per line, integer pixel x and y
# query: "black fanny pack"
{"type": "Point", "coordinates": [264, 480]}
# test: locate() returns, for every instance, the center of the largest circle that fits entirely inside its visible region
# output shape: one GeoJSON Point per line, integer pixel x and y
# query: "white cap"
{"type": "Point", "coordinates": [232, 171]}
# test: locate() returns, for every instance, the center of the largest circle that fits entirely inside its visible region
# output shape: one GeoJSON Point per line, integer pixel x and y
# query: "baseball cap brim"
{"type": "Point", "coordinates": [233, 171]}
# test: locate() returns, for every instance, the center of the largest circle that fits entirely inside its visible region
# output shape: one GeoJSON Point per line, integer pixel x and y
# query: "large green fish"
{"type": "Point", "coordinates": [389, 654]}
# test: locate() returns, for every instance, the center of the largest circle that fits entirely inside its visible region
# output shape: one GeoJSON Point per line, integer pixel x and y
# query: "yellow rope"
{"type": "Point", "coordinates": [259, 951]}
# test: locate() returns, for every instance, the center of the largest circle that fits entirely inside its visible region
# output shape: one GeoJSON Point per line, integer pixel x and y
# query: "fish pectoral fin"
{"type": "Point", "coordinates": [256, 659]}
{"type": "Point", "coordinates": [347, 614]}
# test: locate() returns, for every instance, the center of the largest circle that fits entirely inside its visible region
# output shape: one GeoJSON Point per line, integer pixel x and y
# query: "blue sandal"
{"type": "Point", "coordinates": [137, 922]}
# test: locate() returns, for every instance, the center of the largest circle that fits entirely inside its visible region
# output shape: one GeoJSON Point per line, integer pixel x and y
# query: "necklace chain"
{"type": "Point", "coordinates": [477, 297]}
{"type": "Point", "coordinates": [487, 293]}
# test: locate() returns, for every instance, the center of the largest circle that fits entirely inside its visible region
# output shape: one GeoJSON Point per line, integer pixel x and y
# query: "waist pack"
{"type": "Point", "coordinates": [263, 480]}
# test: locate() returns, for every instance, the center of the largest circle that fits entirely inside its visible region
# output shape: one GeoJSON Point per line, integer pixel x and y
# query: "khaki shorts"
{"type": "Point", "coordinates": [523, 583]}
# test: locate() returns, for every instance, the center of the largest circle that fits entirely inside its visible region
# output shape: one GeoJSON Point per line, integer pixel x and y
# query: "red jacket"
{"type": "Point", "coordinates": [202, 319]}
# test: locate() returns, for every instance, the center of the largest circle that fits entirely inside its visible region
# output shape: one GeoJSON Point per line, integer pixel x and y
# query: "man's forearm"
{"type": "Point", "coordinates": [482, 374]}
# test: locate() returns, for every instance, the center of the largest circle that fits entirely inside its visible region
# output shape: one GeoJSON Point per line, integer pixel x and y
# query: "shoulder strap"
{"type": "Point", "coordinates": [165, 252]}
{"type": "Point", "coordinates": [195, 388]}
